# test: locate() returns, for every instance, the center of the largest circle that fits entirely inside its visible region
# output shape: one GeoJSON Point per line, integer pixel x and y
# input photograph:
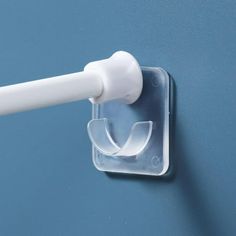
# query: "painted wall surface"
{"type": "Point", "coordinates": [48, 184]}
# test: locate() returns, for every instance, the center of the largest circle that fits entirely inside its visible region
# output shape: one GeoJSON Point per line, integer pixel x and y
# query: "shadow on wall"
{"type": "Point", "coordinates": [181, 175]}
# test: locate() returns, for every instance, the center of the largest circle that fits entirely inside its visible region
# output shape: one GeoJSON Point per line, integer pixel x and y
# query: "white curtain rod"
{"type": "Point", "coordinates": [118, 77]}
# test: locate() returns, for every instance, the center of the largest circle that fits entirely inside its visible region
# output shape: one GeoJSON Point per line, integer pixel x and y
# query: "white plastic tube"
{"type": "Point", "coordinates": [117, 77]}
{"type": "Point", "coordinates": [51, 91]}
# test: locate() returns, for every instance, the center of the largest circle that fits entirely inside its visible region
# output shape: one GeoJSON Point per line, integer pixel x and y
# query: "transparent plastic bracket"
{"type": "Point", "coordinates": [139, 136]}
{"type": "Point", "coordinates": [134, 138]}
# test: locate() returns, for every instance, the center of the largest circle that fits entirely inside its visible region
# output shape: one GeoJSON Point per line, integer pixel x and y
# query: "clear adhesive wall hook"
{"type": "Point", "coordinates": [129, 129]}
{"type": "Point", "coordinates": [134, 138]}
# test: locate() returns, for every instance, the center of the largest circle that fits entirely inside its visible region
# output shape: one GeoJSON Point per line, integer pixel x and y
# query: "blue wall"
{"type": "Point", "coordinates": [48, 184]}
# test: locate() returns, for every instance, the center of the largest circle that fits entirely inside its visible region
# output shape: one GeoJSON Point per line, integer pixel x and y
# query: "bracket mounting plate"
{"type": "Point", "coordinates": [134, 139]}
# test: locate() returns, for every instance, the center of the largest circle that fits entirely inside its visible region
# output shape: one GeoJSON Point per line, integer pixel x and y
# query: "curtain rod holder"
{"type": "Point", "coordinates": [129, 129]}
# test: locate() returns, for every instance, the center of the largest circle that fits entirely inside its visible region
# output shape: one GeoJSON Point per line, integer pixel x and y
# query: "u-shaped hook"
{"type": "Point", "coordinates": [98, 130]}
